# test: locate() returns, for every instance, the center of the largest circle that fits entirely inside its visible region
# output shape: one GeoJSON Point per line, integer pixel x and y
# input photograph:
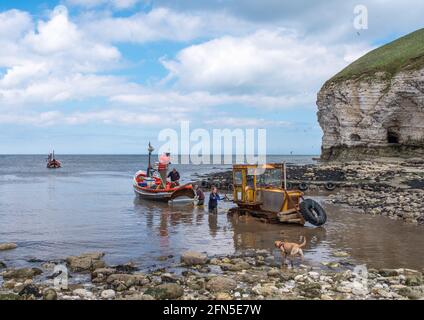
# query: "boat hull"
{"type": "Point", "coordinates": [186, 192]}
{"type": "Point", "coordinates": [54, 164]}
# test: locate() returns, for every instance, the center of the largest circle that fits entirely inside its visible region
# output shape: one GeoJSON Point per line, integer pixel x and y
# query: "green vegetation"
{"type": "Point", "coordinates": [406, 53]}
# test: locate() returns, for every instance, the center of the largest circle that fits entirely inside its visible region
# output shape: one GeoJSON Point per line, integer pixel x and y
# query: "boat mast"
{"type": "Point", "coordinates": [149, 167]}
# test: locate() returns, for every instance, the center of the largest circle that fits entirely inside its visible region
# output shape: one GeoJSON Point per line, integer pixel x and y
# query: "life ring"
{"type": "Point", "coordinates": [330, 186]}
{"type": "Point", "coordinates": [303, 186]}
{"type": "Point", "coordinates": [313, 212]}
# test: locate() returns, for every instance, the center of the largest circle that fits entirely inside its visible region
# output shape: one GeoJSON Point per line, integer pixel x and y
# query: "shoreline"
{"type": "Point", "coordinates": [388, 187]}
{"type": "Point", "coordinates": [254, 274]}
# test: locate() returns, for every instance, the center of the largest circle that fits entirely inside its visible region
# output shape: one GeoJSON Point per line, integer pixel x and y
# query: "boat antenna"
{"type": "Point", "coordinates": [149, 167]}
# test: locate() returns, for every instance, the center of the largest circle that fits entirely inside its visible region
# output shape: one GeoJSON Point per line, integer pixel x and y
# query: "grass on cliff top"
{"type": "Point", "coordinates": [406, 53]}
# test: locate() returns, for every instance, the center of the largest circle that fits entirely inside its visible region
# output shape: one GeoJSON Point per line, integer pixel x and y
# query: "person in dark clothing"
{"type": "Point", "coordinates": [200, 195]}
{"type": "Point", "coordinates": [213, 201]}
{"type": "Point", "coordinates": [174, 175]}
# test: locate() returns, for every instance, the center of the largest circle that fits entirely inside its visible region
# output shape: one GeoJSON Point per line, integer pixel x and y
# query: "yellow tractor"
{"type": "Point", "coordinates": [261, 191]}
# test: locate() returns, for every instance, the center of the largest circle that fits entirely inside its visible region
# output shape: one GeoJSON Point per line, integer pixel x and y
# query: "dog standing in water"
{"type": "Point", "coordinates": [290, 249]}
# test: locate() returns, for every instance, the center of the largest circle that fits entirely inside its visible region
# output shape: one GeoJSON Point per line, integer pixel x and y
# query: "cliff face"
{"type": "Point", "coordinates": [375, 107]}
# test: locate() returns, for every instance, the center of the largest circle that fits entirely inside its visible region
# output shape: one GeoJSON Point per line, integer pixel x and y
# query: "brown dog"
{"type": "Point", "coordinates": [290, 249]}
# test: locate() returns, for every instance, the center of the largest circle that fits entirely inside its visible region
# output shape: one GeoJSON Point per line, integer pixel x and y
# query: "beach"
{"type": "Point", "coordinates": [137, 248]}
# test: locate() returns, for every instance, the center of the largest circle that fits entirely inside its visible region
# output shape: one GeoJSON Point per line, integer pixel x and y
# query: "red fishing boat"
{"type": "Point", "coordinates": [148, 185]}
{"type": "Point", "coordinates": [151, 188]}
{"type": "Point", "coordinates": [52, 163]}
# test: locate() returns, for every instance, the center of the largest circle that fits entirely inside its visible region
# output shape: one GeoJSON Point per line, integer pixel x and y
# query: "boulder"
{"type": "Point", "coordinates": [166, 291]}
{"type": "Point", "coordinates": [30, 290]}
{"type": "Point", "coordinates": [194, 258]}
{"type": "Point", "coordinates": [108, 294]}
{"type": "Point", "coordinates": [2, 265]}
{"type": "Point", "coordinates": [86, 262]}
{"type": "Point", "coordinates": [136, 279]}
{"type": "Point", "coordinates": [23, 273]}
{"type": "Point", "coordinates": [221, 284]}
{"type": "Point", "coordinates": [8, 246]}
{"type": "Point", "coordinates": [50, 294]}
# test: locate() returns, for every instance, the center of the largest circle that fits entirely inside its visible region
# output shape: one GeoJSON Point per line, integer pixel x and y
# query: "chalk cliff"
{"type": "Point", "coordinates": [375, 107]}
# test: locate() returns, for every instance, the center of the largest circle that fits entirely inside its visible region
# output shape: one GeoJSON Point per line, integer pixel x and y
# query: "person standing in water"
{"type": "Point", "coordinates": [213, 201]}
{"type": "Point", "coordinates": [199, 195]}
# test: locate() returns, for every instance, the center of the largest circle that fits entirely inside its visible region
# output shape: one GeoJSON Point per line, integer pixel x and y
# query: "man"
{"type": "Point", "coordinates": [164, 161]}
{"type": "Point", "coordinates": [174, 175]}
{"type": "Point", "coordinates": [199, 195]}
{"type": "Point", "coordinates": [213, 201]}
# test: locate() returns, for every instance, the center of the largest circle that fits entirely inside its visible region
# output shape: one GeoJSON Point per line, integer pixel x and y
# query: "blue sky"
{"type": "Point", "coordinates": [105, 76]}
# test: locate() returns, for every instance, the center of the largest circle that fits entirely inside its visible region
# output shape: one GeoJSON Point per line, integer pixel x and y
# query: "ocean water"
{"type": "Point", "coordinates": [89, 205]}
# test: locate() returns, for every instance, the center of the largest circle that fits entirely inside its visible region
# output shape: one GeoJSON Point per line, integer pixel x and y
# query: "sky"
{"type": "Point", "coordinates": [106, 76]}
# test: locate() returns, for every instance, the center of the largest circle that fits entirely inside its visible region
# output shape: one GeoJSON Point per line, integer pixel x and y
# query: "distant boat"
{"type": "Point", "coordinates": [52, 163]}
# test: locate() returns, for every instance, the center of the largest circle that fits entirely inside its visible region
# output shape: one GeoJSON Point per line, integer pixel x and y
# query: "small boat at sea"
{"type": "Point", "coordinates": [52, 163]}
{"type": "Point", "coordinates": [148, 185]}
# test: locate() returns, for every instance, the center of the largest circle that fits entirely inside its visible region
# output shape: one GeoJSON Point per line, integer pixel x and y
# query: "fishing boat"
{"type": "Point", "coordinates": [52, 163]}
{"type": "Point", "coordinates": [148, 185]}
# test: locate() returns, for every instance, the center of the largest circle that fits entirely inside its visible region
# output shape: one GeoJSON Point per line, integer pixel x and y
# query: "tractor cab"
{"type": "Point", "coordinates": [261, 191]}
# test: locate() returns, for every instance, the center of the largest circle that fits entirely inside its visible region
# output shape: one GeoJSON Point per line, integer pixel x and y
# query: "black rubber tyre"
{"type": "Point", "coordinates": [205, 184]}
{"type": "Point", "coordinates": [313, 212]}
{"type": "Point", "coordinates": [303, 186]}
{"type": "Point", "coordinates": [330, 186]}
{"type": "Point", "coordinates": [289, 186]}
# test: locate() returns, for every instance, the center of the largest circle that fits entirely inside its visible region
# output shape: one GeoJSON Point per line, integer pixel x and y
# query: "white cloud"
{"type": "Point", "coordinates": [246, 122]}
{"type": "Point", "coordinates": [198, 101]}
{"type": "Point", "coordinates": [271, 62]}
{"type": "Point", "coordinates": [51, 118]}
{"type": "Point", "coordinates": [54, 61]}
{"type": "Point", "coordinates": [117, 4]}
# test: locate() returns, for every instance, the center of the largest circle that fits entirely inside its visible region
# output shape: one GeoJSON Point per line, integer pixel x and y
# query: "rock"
{"type": "Point", "coordinates": [221, 284]}
{"type": "Point", "coordinates": [108, 294]}
{"type": "Point", "coordinates": [169, 277]}
{"type": "Point", "coordinates": [23, 273]}
{"type": "Point", "coordinates": [136, 279]}
{"type": "Point", "coordinates": [388, 272]}
{"type": "Point", "coordinates": [2, 265]}
{"type": "Point", "coordinates": [50, 294]}
{"type": "Point", "coordinates": [194, 258]}
{"type": "Point", "coordinates": [101, 274]}
{"type": "Point", "coordinates": [83, 293]}
{"type": "Point", "coordinates": [414, 280]}
{"type": "Point", "coordinates": [340, 254]}
{"type": "Point", "coordinates": [10, 296]}
{"type": "Point", "coordinates": [310, 290]}
{"type": "Point", "coordinates": [274, 272]}
{"type": "Point", "coordinates": [223, 296]}
{"type": "Point", "coordinates": [86, 262]}
{"type": "Point", "coordinates": [30, 290]}
{"type": "Point", "coordinates": [374, 112]}
{"type": "Point", "coordinates": [8, 246]}
{"type": "Point", "coordinates": [9, 284]}
{"type": "Point", "coordinates": [410, 293]}
{"type": "Point", "coordinates": [166, 291]}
